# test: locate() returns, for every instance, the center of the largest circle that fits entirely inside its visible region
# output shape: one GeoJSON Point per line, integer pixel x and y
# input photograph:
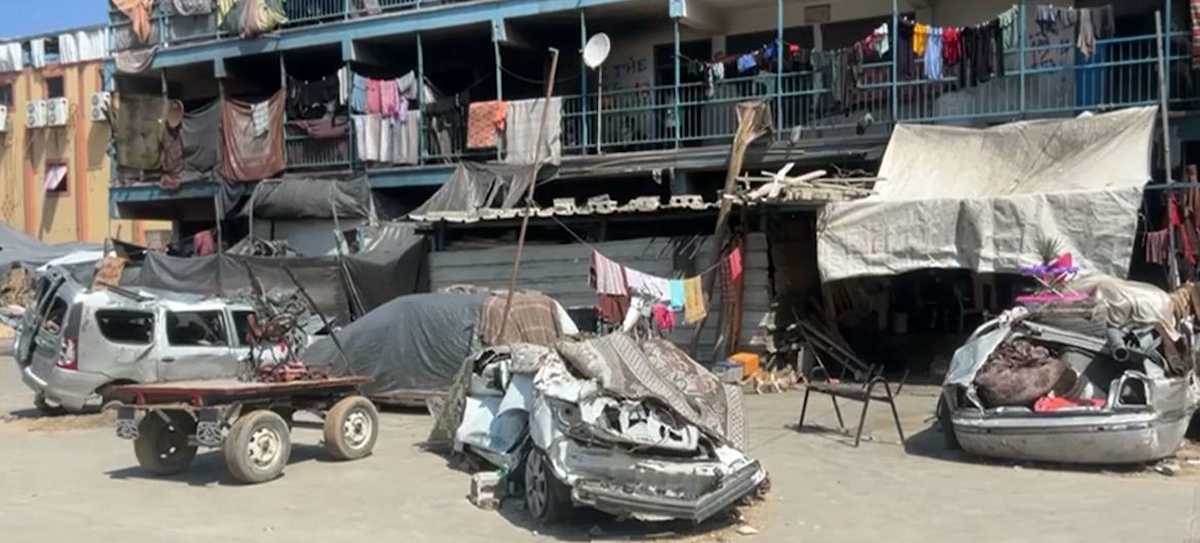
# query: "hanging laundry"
{"type": "Point", "coordinates": [677, 294]}
{"type": "Point", "coordinates": [1086, 42]}
{"type": "Point", "coordinates": [997, 48]}
{"type": "Point", "coordinates": [735, 263]}
{"type": "Point", "coordinates": [1195, 4]}
{"type": "Point", "coordinates": [664, 318]}
{"type": "Point", "coordinates": [933, 55]}
{"type": "Point", "coordinates": [966, 65]}
{"type": "Point", "coordinates": [1157, 246]}
{"type": "Point", "coordinates": [138, 130]}
{"type": "Point", "coordinates": [611, 308]}
{"type": "Point", "coordinates": [746, 63]}
{"type": "Point", "coordinates": [906, 63]}
{"type": "Point", "coordinates": [883, 40]}
{"type": "Point", "coordinates": [358, 93]}
{"type": "Point", "coordinates": [193, 7]}
{"type": "Point", "coordinates": [253, 138]}
{"type": "Point", "coordinates": [374, 97]}
{"type": "Point", "coordinates": [1010, 27]}
{"type": "Point", "coordinates": [695, 307]}
{"type": "Point", "coordinates": [485, 121]}
{"type": "Point", "coordinates": [647, 286]}
{"type": "Point", "coordinates": [607, 276]}
{"type": "Point", "coordinates": [138, 12]}
{"type": "Point", "coordinates": [204, 243]}
{"type": "Point", "coordinates": [223, 9]}
{"type": "Point", "coordinates": [920, 39]}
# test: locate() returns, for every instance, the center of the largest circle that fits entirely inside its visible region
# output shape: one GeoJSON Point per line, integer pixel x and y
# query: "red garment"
{"type": "Point", "coordinates": [203, 243]}
{"type": "Point", "coordinates": [1047, 404]}
{"type": "Point", "coordinates": [612, 308]}
{"type": "Point", "coordinates": [664, 318]}
{"type": "Point", "coordinates": [1176, 218]}
{"type": "Point", "coordinates": [951, 46]}
{"type": "Point", "coordinates": [735, 264]}
{"type": "Point", "coordinates": [374, 97]}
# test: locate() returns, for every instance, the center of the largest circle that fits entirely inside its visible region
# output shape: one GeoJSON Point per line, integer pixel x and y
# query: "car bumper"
{"type": "Point", "coordinates": [617, 501]}
{"type": "Point", "coordinates": [70, 389]}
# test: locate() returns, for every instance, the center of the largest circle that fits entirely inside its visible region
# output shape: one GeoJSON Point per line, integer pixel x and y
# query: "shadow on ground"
{"type": "Point", "coordinates": [209, 467]}
{"type": "Point", "coordinates": [586, 524]}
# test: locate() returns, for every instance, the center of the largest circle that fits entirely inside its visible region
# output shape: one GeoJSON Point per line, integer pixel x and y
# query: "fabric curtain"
{"type": "Point", "coordinates": [249, 156]}
{"type": "Point", "coordinates": [138, 130]}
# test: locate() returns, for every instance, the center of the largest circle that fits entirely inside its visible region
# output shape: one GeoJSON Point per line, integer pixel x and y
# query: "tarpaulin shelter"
{"type": "Point", "coordinates": [20, 249]}
{"type": "Point", "coordinates": [305, 198]}
{"type": "Point", "coordinates": [474, 187]}
{"type": "Point", "coordinates": [983, 199]}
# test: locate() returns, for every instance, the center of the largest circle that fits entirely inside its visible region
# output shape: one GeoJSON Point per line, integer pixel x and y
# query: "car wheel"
{"type": "Point", "coordinates": [949, 438]}
{"type": "Point", "coordinates": [258, 447]}
{"type": "Point", "coordinates": [44, 407]}
{"type": "Point", "coordinates": [546, 498]}
{"type": "Point", "coordinates": [351, 428]}
{"type": "Point", "coordinates": [162, 445]}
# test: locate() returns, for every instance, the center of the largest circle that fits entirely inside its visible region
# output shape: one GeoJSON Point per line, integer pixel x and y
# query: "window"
{"type": "Point", "coordinates": [53, 322]}
{"type": "Point", "coordinates": [196, 329]}
{"type": "Point", "coordinates": [120, 326]}
{"type": "Point", "coordinates": [241, 325]}
{"type": "Point", "coordinates": [54, 87]}
{"type": "Point", "coordinates": [56, 178]}
{"type": "Point", "coordinates": [6, 95]}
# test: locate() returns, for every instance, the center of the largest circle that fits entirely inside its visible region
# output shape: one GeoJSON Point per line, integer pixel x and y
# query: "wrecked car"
{"type": "Point", "coordinates": [412, 346]}
{"type": "Point", "coordinates": [75, 343]}
{"type": "Point", "coordinates": [633, 429]}
{"type": "Point", "coordinates": [1106, 381]}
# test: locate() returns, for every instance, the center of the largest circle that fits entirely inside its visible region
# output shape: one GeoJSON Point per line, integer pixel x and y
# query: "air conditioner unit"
{"type": "Point", "coordinates": [35, 114]}
{"type": "Point", "coordinates": [101, 104]}
{"type": "Point", "coordinates": [3, 118]}
{"type": "Point", "coordinates": [58, 111]}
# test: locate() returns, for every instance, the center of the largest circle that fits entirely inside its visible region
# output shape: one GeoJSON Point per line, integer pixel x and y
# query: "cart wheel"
{"type": "Point", "coordinates": [162, 447]}
{"type": "Point", "coordinates": [351, 428]}
{"type": "Point", "coordinates": [257, 447]}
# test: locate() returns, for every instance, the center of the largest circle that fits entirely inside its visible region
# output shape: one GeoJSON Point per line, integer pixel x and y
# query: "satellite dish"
{"type": "Point", "coordinates": [596, 50]}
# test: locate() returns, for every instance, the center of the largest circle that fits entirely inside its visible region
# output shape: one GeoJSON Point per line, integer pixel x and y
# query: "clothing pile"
{"type": "Point", "coordinates": [1019, 373]}
{"type": "Point", "coordinates": [386, 127]}
{"type": "Point", "coordinates": [616, 286]}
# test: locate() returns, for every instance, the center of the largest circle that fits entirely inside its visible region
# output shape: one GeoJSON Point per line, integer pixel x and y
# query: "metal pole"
{"type": "Point", "coordinates": [779, 64]}
{"type": "Point", "coordinates": [421, 100]}
{"type": "Point", "coordinates": [1173, 275]}
{"type": "Point", "coordinates": [1168, 25]}
{"type": "Point", "coordinates": [583, 88]}
{"type": "Point", "coordinates": [537, 165]}
{"type": "Point", "coordinates": [499, 83]}
{"type": "Point", "coordinates": [1021, 50]}
{"type": "Point", "coordinates": [895, 37]}
{"type": "Point", "coordinates": [678, 81]}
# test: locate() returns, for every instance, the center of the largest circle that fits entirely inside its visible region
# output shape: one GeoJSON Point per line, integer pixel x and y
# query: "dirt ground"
{"type": "Point", "coordinates": [70, 478]}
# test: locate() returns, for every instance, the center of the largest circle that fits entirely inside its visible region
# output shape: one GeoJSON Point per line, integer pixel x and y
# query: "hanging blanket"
{"type": "Point", "coordinates": [658, 370]}
{"type": "Point", "coordinates": [485, 121]}
{"type": "Point", "coordinates": [532, 319]}
{"type": "Point", "coordinates": [250, 154]}
{"type": "Point", "coordinates": [193, 7]}
{"type": "Point", "coordinates": [138, 130]}
{"type": "Point", "coordinates": [138, 12]}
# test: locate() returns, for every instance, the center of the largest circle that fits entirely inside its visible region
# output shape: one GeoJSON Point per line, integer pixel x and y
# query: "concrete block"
{"type": "Point", "coordinates": [487, 489]}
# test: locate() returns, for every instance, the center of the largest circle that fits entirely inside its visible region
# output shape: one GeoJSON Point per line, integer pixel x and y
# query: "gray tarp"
{"type": "Point", "coordinates": [983, 199]}
{"type": "Point", "coordinates": [392, 264]}
{"type": "Point", "coordinates": [201, 140]}
{"type": "Point", "coordinates": [474, 186]}
{"type": "Point", "coordinates": [307, 198]}
{"type": "Point", "coordinates": [18, 248]}
{"type": "Point", "coordinates": [412, 343]}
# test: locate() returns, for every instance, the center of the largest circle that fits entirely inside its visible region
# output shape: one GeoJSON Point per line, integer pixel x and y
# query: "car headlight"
{"type": "Point", "coordinates": [566, 414]}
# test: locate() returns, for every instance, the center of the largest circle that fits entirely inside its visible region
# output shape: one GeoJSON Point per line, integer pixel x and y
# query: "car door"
{"type": "Point", "coordinates": [241, 334]}
{"type": "Point", "coordinates": [196, 345]}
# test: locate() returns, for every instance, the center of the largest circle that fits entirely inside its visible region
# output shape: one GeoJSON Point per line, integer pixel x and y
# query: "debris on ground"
{"type": "Point", "coordinates": [487, 490]}
{"type": "Point", "coordinates": [747, 530]}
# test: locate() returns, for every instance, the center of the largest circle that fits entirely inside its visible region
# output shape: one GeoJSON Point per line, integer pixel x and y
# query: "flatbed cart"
{"type": "Point", "coordinates": [250, 421]}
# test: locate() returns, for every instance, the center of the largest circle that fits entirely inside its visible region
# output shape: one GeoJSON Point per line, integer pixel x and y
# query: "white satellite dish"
{"type": "Point", "coordinates": [595, 52]}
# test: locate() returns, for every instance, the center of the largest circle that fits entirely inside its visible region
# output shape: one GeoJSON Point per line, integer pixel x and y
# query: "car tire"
{"type": "Point", "coordinates": [351, 428]}
{"type": "Point", "coordinates": [258, 447]}
{"type": "Point", "coordinates": [546, 498]}
{"type": "Point", "coordinates": [162, 446]}
{"type": "Point", "coordinates": [949, 438]}
{"type": "Point", "coordinates": [43, 406]}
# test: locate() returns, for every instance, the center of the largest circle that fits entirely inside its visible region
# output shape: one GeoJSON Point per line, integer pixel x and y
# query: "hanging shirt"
{"type": "Point", "coordinates": [358, 93]}
{"type": "Point", "coordinates": [882, 43]}
{"type": "Point", "coordinates": [933, 55]}
{"type": "Point", "coordinates": [905, 60]}
{"type": "Point", "coordinates": [647, 286]}
{"type": "Point", "coordinates": [920, 39]}
{"type": "Point", "coordinates": [745, 63]}
{"type": "Point", "coordinates": [951, 48]}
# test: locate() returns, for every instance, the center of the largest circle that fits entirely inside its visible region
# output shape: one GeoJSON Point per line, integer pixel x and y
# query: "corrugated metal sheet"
{"type": "Point", "coordinates": [561, 271]}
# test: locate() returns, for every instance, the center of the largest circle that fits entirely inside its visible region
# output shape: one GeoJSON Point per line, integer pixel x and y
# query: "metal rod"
{"type": "Point", "coordinates": [678, 82]}
{"type": "Point", "coordinates": [779, 48]}
{"type": "Point", "coordinates": [583, 87]}
{"type": "Point", "coordinates": [537, 165]}
{"type": "Point", "coordinates": [499, 81]}
{"type": "Point", "coordinates": [421, 133]}
{"type": "Point", "coordinates": [1021, 50]}
{"type": "Point", "coordinates": [895, 37]}
{"type": "Point", "coordinates": [1173, 275]}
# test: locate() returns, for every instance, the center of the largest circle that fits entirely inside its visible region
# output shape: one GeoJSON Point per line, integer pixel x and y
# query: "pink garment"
{"type": "Point", "coordinates": [608, 277]}
{"type": "Point", "coordinates": [1047, 404]}
{"type": "Point", "coordinates": [374, 97]}
{"type": "Point", "coordinates": [664, 318]}
{"type": "Point", "coordinates": [389, 98]}
{"type": "Point", "coordinates": [203, 243]}
{"type": "Point", "coordinates": [735, 264]}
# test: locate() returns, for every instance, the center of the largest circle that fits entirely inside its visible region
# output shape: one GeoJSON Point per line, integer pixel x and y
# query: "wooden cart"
{"type": "Point", "coordinates": [250, 422]}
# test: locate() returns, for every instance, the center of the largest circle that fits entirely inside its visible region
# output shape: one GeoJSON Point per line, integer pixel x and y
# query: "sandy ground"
{"type": "Point", "coordinates": [70, 478]}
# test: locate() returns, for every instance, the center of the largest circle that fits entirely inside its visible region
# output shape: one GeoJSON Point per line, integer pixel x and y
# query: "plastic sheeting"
{"type": "Point", "coordinates": [305, 198]}
{"type": "Point", "coordinates": [473, 187]}
{"type": "Point", "coordinates": [414, 343]}
{"type": "Point", "coordinates": [201, 135]}
{"type": "Point", "coordinates": [983, 199]}
{"type": "Point", "coordinates": [18, 248]}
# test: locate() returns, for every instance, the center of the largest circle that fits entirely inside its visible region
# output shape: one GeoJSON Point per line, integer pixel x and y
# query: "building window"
{"type": "Point", "coordinates": [6, 95]}
{"type": "Point", "coordinates": [56, 178]}
{"type": "Point", "coordinates": [54, 87]}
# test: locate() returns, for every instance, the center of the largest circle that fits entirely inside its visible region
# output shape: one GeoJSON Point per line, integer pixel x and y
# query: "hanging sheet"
{"type": "Point", "coordinates": [983, 199]}
{"type": "Point", "coordinates": [249, 156]}
{"type": "Point", "coordinates": [523, 119]}
{"type": "Point", "coordinates": [139, 12]}
{"type": "Point", "coordinates": [138, 130]}
{"type": "Point", "coordinates": [201, 135]}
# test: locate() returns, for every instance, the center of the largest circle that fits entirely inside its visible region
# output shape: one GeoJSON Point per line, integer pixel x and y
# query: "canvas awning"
{"type": "Point", "coordinates": [982, 199]}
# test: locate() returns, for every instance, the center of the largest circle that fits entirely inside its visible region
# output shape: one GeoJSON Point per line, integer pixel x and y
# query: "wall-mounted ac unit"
{"type": "Point", "coordinates": [3, 118]}
{"type": "Point", "coordinates": [35, 114]}
{"type": "Point", "coordinates": [58, 111]}
{"type": "Point", "coordinates": [100, 106]}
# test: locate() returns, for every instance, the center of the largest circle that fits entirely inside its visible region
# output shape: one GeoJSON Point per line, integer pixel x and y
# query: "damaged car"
{"type": "Point", "coordinates": [1106, 379]}
{"type": "Point", "coordinates": [631, 428]}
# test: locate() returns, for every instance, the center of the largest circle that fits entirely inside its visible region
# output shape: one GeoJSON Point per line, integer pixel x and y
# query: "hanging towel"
{"type": "Point", "coordinates": [374, 97]}
{"type": "Point", "coordinates": [695, 308]}
{"type": "Point", "coordinates": [485, 121]}
{"type": "Point", "coordinates": [933, 55]}
{"type": "Point", "coordinates": [203, 243]}
{"type": "Point", "coordinates": [607, 277]}
{"type": "Point", "coordinates": [677, 295]}
{"type": "Point", "coordinates": [611, 308]}
{"type": "Point", "coordinates": [647, 286]}
{"type": "Point", "coordinates": [735, 263]}
{"type": "Point", "coordinates": [138, 12]}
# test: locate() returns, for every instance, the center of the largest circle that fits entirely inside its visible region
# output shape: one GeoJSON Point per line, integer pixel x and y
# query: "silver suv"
{"type": "Point", "coordinates": [74, 344]}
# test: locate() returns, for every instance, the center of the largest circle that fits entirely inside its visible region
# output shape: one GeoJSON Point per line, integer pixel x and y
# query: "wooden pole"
{"type": "Point", "coordinates": [1173, 273]}
{"type": "Point", "coordinates": [537, 165]}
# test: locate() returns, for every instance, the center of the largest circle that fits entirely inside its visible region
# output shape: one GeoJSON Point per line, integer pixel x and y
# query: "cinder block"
{"type": "Point", "coordinates": [487, 489]}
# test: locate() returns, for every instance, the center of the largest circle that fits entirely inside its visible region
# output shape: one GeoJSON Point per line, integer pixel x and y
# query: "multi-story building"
{"type": "Point", "coordinates": [54, 163]}
{"type": "Point", "coordinates": [659, 108]}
